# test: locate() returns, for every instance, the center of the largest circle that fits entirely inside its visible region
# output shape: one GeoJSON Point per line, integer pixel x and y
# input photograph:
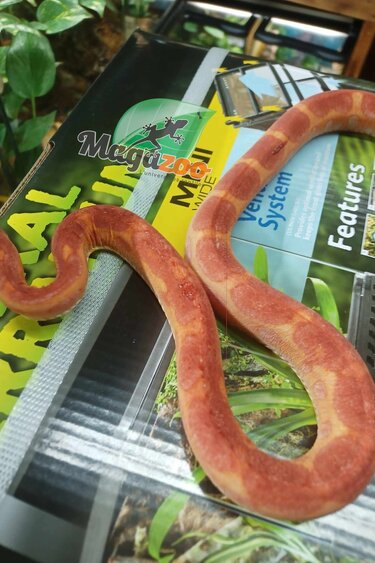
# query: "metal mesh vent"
{"type": "Point", "coordinates": [361, 331]}
{"type": "Point", "coordinates": [371, 340]}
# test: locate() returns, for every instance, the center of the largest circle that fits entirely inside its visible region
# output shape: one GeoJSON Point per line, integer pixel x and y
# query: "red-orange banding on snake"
{"type": "Point", "coordinates": [342, 460]}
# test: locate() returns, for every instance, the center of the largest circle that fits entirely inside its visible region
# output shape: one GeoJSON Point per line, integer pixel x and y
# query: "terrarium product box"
{"type": "Point", "coordinates": [94, 462]}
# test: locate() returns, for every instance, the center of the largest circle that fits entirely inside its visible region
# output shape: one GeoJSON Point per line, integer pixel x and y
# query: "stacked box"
{"type": "Point", "coordinates": [91, 441]}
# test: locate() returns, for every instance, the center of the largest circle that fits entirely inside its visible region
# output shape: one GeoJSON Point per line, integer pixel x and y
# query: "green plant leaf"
{"type": "Point", "coordinates": [214, 32]}
{"type": "Point", "coordinates": [242, 548]}
{"type": "Point", "coordinates": [138, 8]}
{"type": "Point", "coordinates": [161, 523]}
{"type": "Point", "coordinates": [263, 355]}
{"type": "Point", "coordinates": [3, 132]}
{"type": "Point", "coordinates": [95, 5]}
{"type": "Point", "coordinates": [266, 433]}
{"type": "Point", "coordinates": [3, 56]}
{"type": "Point", "coordinates": [242, 402]}
{"type": "Point", "coordinates": [261, 264]}
{"type": "Point", "coordinates": [199, 474]}
{"type": "Point", "coordinates": [275, 364]}
{"type": "Point", "coordinates": [326, 302]}
{"type": "Point", "coordinates": [13, 25]}
{"type": "Point", "coordinates": [12, 104]}
{"type": "Point", "coordinates": [289, 539]}
{"type": "Point", "coordinates": [249, 401]}
{"type": "Point", "coordinates": [6, 3]}
{"type": "Point", "coordinates": [59, 15]}
{"type": "Point", "coordinates": [30, 134]}
{"type": "Point", "coordinates": [30, 65]}
{"type": "Point", "coordinates": [191, 27]}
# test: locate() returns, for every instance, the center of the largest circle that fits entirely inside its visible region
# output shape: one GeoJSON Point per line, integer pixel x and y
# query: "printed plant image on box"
{"type": "Point", "coordinates": [266, 396]}
{"type": "Point", "coordinates": [368, 245]}
{"type": "Point", "coordinates": [169, 525]}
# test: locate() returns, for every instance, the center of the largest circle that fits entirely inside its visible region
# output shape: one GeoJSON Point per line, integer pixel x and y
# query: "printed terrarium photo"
{"type": "Point", "coordinates": [187, 286]}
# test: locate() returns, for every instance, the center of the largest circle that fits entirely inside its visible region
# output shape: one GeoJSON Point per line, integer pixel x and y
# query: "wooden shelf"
{"type": "Point", "coordinates": [359, 9]}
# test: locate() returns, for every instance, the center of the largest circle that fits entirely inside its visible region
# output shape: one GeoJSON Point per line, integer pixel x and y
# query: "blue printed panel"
{"type": "Point", "coordinates": [287, 272]}
{"type": "Point", "coordinates": [286, 213]}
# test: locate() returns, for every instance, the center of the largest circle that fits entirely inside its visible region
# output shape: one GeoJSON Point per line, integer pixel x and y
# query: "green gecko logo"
{"type": "Point", "coordinates": [153, 133]}
{"type": "Point", "coordinates": [160, 143]}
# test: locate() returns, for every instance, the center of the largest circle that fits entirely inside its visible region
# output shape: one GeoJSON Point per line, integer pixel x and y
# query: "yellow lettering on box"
{"type": "Point", "coordinates": [31, 226]}
{"type": "Point", "coordinates": [58, 201]}
{"type": "Point", "coordinates": [10, 381]}
{"type": "Point", "coordinates": [22, 338]}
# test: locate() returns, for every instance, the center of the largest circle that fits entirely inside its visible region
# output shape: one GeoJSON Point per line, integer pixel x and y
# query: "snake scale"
{"type": "Point", "coordinates": [342, 459]}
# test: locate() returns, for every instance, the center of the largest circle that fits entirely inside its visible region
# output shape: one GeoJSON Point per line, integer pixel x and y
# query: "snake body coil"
{"type": "Point", "coordinates": [342, 459]}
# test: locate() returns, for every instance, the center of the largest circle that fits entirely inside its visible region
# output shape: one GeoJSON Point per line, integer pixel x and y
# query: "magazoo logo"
{"type": "Point", "coordinates": [164, 144]}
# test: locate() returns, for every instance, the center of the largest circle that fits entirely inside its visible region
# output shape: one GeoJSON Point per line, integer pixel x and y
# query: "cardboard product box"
{"type": "Point", "coordinates": [94, 463]}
